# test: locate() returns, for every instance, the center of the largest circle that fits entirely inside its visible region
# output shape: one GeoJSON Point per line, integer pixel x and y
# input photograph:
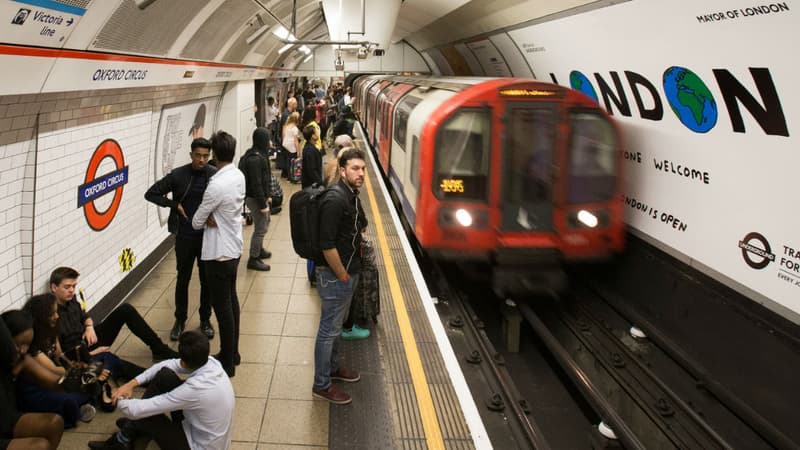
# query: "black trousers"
{"type": "Point", "coordinates": [222, 290]}
{"type": "Point", "coordinates": [125, 314]}
{"type": "Point", "coordinates": [186, 252]}
{"type": "Point", "coordinates": [166, 431]}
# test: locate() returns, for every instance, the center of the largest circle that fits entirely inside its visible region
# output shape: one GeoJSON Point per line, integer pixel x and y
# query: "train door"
{"type": "Point", "coordinates": [528, 166]}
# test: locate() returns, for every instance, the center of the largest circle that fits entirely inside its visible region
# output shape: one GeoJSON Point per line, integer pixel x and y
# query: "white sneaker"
{"type": "Point", "coordinates": [87, 413]}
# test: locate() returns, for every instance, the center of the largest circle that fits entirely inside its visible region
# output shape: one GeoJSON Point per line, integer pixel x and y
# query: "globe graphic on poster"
{"type": "Point", "coordinates": [690, 99]}
{"type": "Point", "coordinates": [579, 82]}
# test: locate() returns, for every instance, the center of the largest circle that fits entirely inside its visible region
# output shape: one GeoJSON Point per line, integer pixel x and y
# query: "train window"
{"type": "Point", "coordinates": [401, 115]}
{"type": "Point", "coordinates": [592, 152]}
{"type": "Point", "coordinates": [462, 156]}
{"type": "Point", "coordinates": [414, 176]}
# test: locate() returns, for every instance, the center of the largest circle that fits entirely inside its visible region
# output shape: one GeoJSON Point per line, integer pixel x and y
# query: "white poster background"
{"type": "Point", "coordinates": [178, 125]}
{"type": "Point", "coordinates": [752, 174]}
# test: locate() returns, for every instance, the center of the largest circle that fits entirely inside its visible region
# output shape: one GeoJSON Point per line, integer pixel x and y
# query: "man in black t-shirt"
{"type": "Point", "coordinates": [77, 327]}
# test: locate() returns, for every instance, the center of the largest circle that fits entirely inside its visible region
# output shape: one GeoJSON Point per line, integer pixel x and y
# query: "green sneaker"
{"type": "Point", "coordinates": [355, 333]}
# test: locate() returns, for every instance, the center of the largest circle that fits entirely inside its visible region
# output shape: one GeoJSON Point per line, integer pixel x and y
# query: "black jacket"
{"type": "Point", "coordinates": [255, 167]}
{"type": "Point", "coordinates": [178, 182]}
{"type": "Point", "coordinates": [341, 220]}
{"type": "Point", "coordinates": [312, 166]}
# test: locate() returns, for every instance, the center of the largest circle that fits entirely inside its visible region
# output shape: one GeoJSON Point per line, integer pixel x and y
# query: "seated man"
{"type": "Point", "coordinates": [75, 325]}
{"type": "Point", "coordinates": [201, 407]}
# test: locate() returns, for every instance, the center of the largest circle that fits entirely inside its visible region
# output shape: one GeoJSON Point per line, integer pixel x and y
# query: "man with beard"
{"type": "Point", "coordinates": [341, 221]}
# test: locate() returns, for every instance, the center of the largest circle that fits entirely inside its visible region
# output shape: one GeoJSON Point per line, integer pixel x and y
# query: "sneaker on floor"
{"type": "Point", "coordinates": [333, 394]}
{"type": "Point", "coordinates": [177, 329]}
{"type": "Point", "coordinates": [109, 444]}
{"type": "Point", "coordinates": [342, 374]}
{"type": "Point", "coordinates": [164, 353]}
{"type": "Point", "coordinates": [123, 422]}
{"type": "Point", "coordinates": [257, 264]}
{"type": "Point", "coordinates": [355, 333]}
{"type": "Point", "coordinates": [87, 413]}
{"type": "Point", "coordinates": [207, 329]}
{"type": "Point", "coordinates": [237, 358]}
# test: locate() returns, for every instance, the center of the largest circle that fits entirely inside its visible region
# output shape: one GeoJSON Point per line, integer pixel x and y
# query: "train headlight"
{"type": "Point", "coordinates": [463, 217]}
{"type": "Point", "coordinates": [587, 218]}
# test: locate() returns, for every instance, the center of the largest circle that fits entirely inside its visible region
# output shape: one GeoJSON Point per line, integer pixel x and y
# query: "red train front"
{"type": "Point", "coordinates": [515, 175]}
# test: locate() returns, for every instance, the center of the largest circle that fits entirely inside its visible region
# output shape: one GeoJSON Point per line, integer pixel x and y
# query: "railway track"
{"type": "Point", "coordinates": [635, 387]}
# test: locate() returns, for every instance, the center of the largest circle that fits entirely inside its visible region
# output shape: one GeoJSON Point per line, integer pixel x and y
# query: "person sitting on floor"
{"type": "Point", "coordinates": [77, 327]}
{"type": "Point", "coordinates": [201, 407]}
{"type": "Point", "coordinates": [46, 351]}
{"type": "Point", "coordinates": [29, 431]}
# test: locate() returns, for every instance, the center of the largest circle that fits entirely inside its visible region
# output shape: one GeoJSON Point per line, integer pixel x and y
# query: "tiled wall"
{"type": "Point", "coordinates": [46, 143]}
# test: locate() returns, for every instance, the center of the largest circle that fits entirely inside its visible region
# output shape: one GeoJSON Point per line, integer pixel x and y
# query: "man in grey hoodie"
{"type": "Point", "coordinates": [255, 167]}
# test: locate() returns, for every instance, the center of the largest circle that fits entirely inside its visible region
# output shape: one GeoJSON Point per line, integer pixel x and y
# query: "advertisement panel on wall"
{"type": "Point", "coordinates": [441, 62]}
{"type": "Point", "coordinates": [178, 125]}
{"type": "Point", "coordinates": [493, 63]}
{"type": "Point", "coordinates": [456, 61]}
{"type": "Point", "coordinates": [709, 103]}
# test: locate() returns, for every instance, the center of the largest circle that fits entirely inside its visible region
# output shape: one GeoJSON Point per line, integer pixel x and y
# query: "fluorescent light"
{"type": "Point", "coordinates": [281, 32]}
{"type": "Point", "coordinates": [305, 50]}
{"type": "Point", "coordinates": [307, 58]}
{"type": "Point", "coordinates": [284, 48]}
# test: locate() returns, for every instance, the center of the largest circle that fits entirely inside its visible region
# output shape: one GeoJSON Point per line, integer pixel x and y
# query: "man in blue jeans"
{"type": "Point", "coordinates": [342, 219]}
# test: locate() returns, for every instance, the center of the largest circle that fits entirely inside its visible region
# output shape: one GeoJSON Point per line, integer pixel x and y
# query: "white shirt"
{"type": "Point", "coordinates": [271, 114]}
{"type": "Point", "coordinates": [206, 399]}
{"type": "Point", "coordinates": [290, 139]}
{"type": "Point", "coordinates": [223, 198]}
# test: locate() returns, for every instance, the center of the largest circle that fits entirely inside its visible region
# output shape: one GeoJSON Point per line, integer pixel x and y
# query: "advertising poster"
{"type": "Point", "coordinates": [469, 57]}
{"type": "Point", "coordinates": [456, 61]}
{"type": "Point", "coordinates": [493, 63]}
{"type": "Point", "coordinates": [178, 125]}
{"type": "Point", "coordinates": [440, 61]}
{"type": "Point", "coordinates": [709, 106]}
{"type": "Point", "coordinates": [513, 57]}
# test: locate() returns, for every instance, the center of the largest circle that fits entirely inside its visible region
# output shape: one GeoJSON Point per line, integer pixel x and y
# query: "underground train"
{"type": "Point", "coordinates": [512, 177]}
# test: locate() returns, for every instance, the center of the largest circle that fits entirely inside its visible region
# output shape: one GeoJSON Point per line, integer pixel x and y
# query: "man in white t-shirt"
{"type": "Point", "coordinates": [201, 407]}
{"type": "Point", "coordinates": [220, 217]}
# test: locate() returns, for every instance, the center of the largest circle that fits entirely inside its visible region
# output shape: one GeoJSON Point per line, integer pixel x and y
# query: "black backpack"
{"type": "Point", "coordinates": [304, 221]}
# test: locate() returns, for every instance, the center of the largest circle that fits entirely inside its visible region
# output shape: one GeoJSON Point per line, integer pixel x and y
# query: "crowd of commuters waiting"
{"type": "Point", "coordinates": [188, 401]}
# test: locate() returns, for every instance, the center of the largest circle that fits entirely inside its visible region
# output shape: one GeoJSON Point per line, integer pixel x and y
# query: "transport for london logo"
{"type": "Point", "coordinates": [756, 250]}
{"type": "Point", "coordinates": [95, 186]}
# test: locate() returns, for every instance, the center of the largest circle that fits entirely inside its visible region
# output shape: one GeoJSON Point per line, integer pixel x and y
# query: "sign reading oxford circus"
{"type": "Point", "coordinates": [95, 186]}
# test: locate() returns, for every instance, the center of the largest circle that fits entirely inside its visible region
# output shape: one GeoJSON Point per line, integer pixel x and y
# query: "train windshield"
{"type": "Point", "coordinates": [462, 156]}
{"type": "Point", "coordinates": [592, 151]}
{"type": "Point", "coordinates": [528, 148]}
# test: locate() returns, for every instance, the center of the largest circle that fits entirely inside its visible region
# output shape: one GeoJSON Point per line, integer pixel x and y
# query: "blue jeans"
{"type": "Point", "coordinates": [335, 297]}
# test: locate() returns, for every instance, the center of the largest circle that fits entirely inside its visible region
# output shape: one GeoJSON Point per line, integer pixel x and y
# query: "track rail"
{"type": "Point", "coordinates": [502, 399]}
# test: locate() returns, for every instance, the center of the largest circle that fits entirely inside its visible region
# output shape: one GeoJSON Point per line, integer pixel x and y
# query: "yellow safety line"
{"type": "Point", "coordinates": [430, 424]}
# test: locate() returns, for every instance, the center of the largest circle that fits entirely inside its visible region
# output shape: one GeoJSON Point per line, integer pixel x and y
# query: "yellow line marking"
{"type": "Point", "coordinates": [427, 412]}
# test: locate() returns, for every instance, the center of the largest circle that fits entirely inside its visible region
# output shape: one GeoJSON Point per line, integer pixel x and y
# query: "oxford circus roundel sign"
{"type": "Point", "coordinates": [95, 186]}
